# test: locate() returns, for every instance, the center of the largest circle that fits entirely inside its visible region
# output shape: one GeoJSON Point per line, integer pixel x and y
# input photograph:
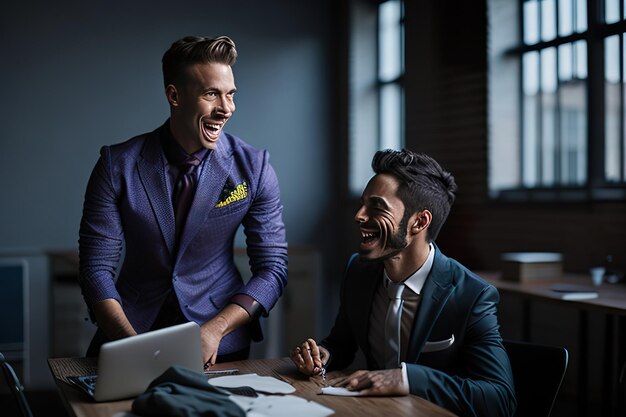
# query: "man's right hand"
{"type": "Point", "coordinates": [309, 357]}
{"type": "Point", "coordinates": [112, 320]}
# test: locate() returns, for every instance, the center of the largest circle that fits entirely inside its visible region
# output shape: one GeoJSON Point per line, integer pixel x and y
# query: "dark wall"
{"type": "Point", "coordinates": [78, 75]}
{"type": "Point", "coordinates": [446, 105]}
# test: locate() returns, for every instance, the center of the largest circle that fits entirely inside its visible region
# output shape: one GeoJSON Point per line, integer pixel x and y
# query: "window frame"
{"type": "Point", "coordinates": [362, 107]}
{"type": "Point", "coordinates": [595, 187]}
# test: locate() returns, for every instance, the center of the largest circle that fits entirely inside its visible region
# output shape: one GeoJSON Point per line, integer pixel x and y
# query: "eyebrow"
{"type": "Point", "coordinates": [214, 89]}
{"type": "Point", "coordinates": [378, 201]}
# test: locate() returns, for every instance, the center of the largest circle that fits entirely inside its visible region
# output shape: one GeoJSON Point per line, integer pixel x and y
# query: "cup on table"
{"type": "Point", "coordinates": [597, 275]}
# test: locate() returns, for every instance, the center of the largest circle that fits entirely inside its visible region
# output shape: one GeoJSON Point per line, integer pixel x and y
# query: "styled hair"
{"type": "Point", "coordinates": [192, 50]}
{"type": "Point", "coordinates": [424, 185]}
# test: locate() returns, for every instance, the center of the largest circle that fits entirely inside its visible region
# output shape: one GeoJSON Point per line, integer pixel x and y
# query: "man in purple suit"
{"type": "Point", "coordinates": [171, 201]}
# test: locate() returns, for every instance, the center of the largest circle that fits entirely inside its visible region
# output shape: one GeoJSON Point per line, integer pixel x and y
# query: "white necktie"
{"type": "Point", "coordinates": [392, 325]}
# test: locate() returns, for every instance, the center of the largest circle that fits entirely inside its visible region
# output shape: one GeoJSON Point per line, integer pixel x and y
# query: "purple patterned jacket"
{"type": "Point", "coordinates": [128, 213]}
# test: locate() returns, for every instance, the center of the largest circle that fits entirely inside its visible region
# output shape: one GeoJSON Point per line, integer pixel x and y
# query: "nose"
{"type": "Point", "coordinates": [226, 107]}
{"type": "Point", "coordinates": [361, 215]}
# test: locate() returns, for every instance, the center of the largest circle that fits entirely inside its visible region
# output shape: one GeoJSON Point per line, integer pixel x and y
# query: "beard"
{"type": "Point", "coordinates": [395, 242]}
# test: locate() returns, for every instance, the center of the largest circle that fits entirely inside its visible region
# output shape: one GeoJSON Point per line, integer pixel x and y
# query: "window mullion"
{"type": "Point", "coordinates": [595, 99]}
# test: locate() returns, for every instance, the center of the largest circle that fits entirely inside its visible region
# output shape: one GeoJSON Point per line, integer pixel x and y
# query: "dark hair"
{"type": "Point", "coordinates": [424, 185]}
{"type": "Point", "coordinates": [192, 50]}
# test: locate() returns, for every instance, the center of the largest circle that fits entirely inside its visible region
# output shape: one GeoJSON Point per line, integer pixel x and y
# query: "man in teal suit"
{"type": "Point", "coordinates": [172, 200]}
{"type": "Point", "coordinates": [426, 325]}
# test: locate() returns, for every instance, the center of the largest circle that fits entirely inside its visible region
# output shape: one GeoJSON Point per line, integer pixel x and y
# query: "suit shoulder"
{"type": "Point", "coordinates": [130, 148]}
{"type": "Point", "coordinates": [461, 275]}
{"type": "Point", "coordinates": [242, 149]}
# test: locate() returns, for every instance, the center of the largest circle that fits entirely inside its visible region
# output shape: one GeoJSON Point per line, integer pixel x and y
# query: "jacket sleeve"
{"type": "Point", "coordinates": [100, 235]}
{"type": "Point", "coordinates": [341, 342]}
{"type": "Point", "coordinates": [484, 385]}
{"type": "Point", "coordinates": [266, 240]}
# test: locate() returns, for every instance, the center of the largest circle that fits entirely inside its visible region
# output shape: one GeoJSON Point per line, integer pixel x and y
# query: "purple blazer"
{"type": "Point", "coordinates": [128, 213]}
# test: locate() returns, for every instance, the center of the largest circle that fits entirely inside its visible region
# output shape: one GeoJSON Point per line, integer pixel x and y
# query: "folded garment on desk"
{"type": "Point", "coordinates": [181, 392]}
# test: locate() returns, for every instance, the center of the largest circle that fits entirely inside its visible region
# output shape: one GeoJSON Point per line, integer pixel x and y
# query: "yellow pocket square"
{"type": "Point", "coordinates": [239, 193]}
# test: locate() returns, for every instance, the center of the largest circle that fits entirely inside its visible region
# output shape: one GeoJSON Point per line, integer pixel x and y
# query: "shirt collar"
{"type": "Point", "coordinates": [416, 281]}
{"type": "Point", "coordinates": [174, 153]}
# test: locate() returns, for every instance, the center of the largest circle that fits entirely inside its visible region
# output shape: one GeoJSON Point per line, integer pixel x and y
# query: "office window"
{"type": "Point", "coordinates": [376, 90]}
{"type": "Point", "coordinates": [614, 76]}
{"type": "Point", "coordinates": [546, 142]}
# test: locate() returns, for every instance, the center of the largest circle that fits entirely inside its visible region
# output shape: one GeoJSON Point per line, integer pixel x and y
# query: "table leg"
{"type": "Point", "coordinates": [583, 353]}
{"type": "Point", "coordinates": [620, 348]}
{"type": "Point", "coordinates": [608, 365]}
{"type": "Point", "coordinates": [526, 320]}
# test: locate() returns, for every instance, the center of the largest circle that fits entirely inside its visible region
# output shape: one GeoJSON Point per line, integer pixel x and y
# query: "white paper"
{"type": "Point", "coordinates": [265, 384]}
{"type": "Point", "coordinates": [280, 406]}
{"type": "Point", "coordinates": [341, 391]}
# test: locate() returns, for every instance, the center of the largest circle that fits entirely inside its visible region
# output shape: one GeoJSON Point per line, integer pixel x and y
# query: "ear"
{"type": "Point", "coordinates": [172, 95]}
{"type": "Point", "coordinates": [420, 221]}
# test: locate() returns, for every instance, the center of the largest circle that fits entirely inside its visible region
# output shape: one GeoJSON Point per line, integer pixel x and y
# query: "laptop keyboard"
{"type": "Point", "coordinates": [90, 381]}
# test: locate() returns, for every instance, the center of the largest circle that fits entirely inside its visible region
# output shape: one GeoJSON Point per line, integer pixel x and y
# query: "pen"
{"type": "Point", "coordinates": [215, 372]}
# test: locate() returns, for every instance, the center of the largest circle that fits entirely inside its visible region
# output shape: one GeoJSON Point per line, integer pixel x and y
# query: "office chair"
{"type": "Point", "coordinates": [538, 372]}
{"type": "Point", "coordinates": [16, 387]}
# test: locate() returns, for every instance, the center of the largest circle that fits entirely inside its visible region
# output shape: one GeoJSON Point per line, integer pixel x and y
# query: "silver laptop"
{"type": "Point", "coordinates": [127, 366]}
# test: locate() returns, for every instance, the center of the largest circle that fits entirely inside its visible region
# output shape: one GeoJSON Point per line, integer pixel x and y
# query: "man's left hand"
{"type": "Point", "coordinates": [386, 382]}
{"type": "Point", "coordinates": [211, 332]}
{"type": "Point", "coordinates": [230, 318]}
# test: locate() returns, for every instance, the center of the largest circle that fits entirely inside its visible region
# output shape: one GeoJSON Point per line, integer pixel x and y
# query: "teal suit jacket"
{"type": "Point", "coordinates": [471, 375]}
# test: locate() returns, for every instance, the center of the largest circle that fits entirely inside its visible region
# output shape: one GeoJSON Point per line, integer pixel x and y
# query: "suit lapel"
{"type": "Point", "coordinates": [214, 174]}
{"type": "Point", "coordinates": [151, 168]}
{"type": "Point", "coordinates": [437, 289]}
{"type": "Point", "coordinates": [365, 292]}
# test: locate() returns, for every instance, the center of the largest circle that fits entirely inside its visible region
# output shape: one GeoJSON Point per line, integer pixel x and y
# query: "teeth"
{"type": "Point", "coordinates": [367, 235]}
{"type": "Point", "coordinates": [211, 126]}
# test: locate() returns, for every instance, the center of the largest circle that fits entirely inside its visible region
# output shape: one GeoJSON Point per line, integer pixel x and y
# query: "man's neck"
{"type": "Point", "coordinates": [179, 136]}
{"type": "Point", "coordinates": [403, 265]}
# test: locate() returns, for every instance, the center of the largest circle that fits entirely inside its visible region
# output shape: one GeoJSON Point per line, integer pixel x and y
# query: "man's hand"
{"type": "Point", "coordinates": [309, 357]}
{"type": "Point", "coordinates": [387, 382]}
{"type": "Point", "coordinates": [112, 320]}
{"type": "Point", "coordinates": [212, 332]}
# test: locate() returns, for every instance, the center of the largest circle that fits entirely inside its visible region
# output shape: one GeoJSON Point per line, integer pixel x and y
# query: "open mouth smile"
{"type": "Point", "coordinates": [369, 237]}
{"type": "Point", "coordinates": [212, 130]}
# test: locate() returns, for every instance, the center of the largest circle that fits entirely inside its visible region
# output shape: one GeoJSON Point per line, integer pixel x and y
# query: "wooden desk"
{"type": "Point", "coordinates": [80, 406]}
{"type": "Point", "coordinates": [611, 302]}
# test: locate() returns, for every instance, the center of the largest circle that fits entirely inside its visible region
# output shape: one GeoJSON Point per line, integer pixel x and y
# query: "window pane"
{"type": "Point", "coordinates": [531, 72]}
{"type": "Point", "coordinates": [548, 19]}
{"type": "Point", "coordinates": [580, 60]}
{"type": "Point", "coordinates": [565, 62]}
{"type": "Point", "coordinates": [548, 138]}
{"type": "Point", "coordinates": [548, 70]}
{"type": "Point", "coordinates": [548, 116]}
{"type": "Point", "coordinates": [612, 151]}
{"type": "Point", "coordinates": [530, 123]}
{"type": "Point", "coordinates": [611, 11]}
{"type": "Point", "coordinates": [391, 117]}
{"type": "Point", "coordinates": [573, 131]}
{"type": "Point", "coordinates": [565, 17]}
{"type": "Point", "coordinates": [581, 15]}
{"type": "Point", "coordinates": [531, 22]}
{"type": "Point", "coordinates": [572, 114]}
{"type": "Point", "coordinates": [390, 40]}
{"type": "Point", "coordinates": [529, 141]}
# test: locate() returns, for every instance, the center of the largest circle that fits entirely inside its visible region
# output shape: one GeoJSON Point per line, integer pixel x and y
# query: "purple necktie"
{"type": "Point", "coordinates": [184, 191]}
